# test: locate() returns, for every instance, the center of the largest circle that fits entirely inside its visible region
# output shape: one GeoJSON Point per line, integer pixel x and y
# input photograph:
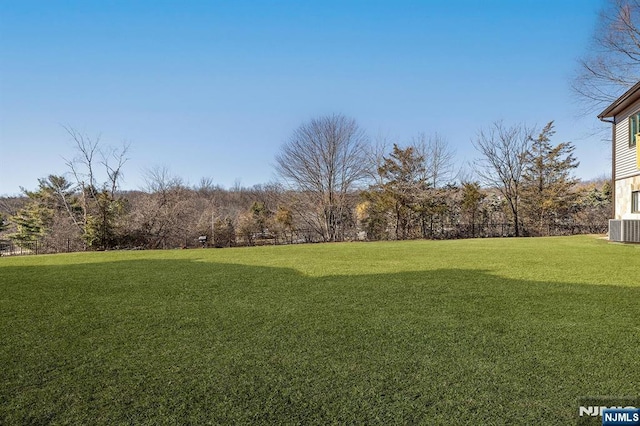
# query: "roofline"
{"type": "Point", "coordinates": [622, 102]}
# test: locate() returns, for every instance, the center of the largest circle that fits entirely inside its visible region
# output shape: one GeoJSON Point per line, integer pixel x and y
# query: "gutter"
{"type": "Point", "coordinates": [613, 163]}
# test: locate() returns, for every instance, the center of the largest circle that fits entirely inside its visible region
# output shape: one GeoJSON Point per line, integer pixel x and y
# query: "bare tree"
{"type": "Point", "coordinates": [113, 162]}
{"type": "Point", "coordinates": [377, 151]}
{"type": "Point", "coordinates": [82, 168]}
{"type": "Point", "coordinates": [160, 211]}
{"type": "Point", "coordinates": [502, 162]}
{"type": "Point", "coordinates": [438, 158]}
{"type": "Point", "coordinates": [324, 159]}
{"type": "Point", "coordinates": [159, 179]}
{"type": "Point", "coordinates": [613, 62]}
{"type": "Point", "coordinates": [98, 201]}
{"type": "Point", "coordinates": [4, 224]}
{"type": "Point", "coordinates": [206, 185]}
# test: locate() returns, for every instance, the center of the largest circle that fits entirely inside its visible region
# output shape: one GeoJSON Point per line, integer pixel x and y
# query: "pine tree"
{"type": "Point", "coordinates": [548, 184]}
{"type": "Point", "coordinates": [32, 222]}
{"type": "Point", "coordinates": [404, 187]}
{"type": "Point", "coordinates": [100, 230]}
{"type": "Point", "coordinates": [51, 214]}
{"type": "Point", "coordinates": [472, 196]}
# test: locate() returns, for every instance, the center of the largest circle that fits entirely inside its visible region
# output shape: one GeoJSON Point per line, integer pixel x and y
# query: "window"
{"type": "Point", "coordinates": [634, 129]}
{"type": "Point", "coordinates": [635, 202]}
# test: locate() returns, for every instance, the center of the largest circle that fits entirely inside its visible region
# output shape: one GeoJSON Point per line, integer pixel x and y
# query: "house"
{"type": "Point", "coordinates": [624, 115]}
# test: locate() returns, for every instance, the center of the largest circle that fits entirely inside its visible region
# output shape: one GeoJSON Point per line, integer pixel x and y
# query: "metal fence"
{"type": "Point", "coordinates": [301, 236]}
{"type": "Point", "coordinates": [24, 248]}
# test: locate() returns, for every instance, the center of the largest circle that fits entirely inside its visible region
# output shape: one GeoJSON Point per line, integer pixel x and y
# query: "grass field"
{"type": "Point", "coordinates": [495, 331]}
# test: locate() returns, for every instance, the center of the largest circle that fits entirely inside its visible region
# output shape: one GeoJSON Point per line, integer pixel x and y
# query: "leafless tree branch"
{"type": "Point", "coordinates": [612, 64]}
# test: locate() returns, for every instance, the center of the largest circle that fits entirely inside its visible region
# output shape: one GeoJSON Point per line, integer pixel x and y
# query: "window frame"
{"type": "Point", "coordinates": [634, 128]}
{"type": "Point", "coordinates": [635, 201]}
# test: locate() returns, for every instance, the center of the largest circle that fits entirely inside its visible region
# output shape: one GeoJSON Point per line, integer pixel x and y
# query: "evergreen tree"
{"type": "Point", "coordinates": [374, 214]}
{"type": "Point", "coordinates": [404, 187]}
{"type": "Point", "coordinates": [101, 228]}
{"type": "Point", "coordinates": [472, 196]}
{"type": "Point", "coordinates": [32, 222]}
{"type": "Point", "coordinates": [284, 220]}
{"type": "Point", "coordinates": [548, 184]}
{"type": "Point", "coordinates": [261, 216]}
{"type": "Point", "coordinates": [51, 214]}
{"type": "Point", "coordinates": [592, 208]}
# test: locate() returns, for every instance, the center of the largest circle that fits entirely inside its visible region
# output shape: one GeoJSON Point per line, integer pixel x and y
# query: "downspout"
{"type": "Point", "coordinates": [613, 164]}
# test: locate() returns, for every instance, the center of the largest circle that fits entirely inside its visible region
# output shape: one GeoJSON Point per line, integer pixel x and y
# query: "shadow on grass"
{"type": "Point", "coordinates": [178, 342]}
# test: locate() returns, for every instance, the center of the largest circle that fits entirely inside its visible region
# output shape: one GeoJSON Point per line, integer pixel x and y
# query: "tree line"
{"type": "Point", "coordinates": [334, 185]}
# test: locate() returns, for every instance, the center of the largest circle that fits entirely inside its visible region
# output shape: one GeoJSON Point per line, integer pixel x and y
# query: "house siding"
{"type": "Point", "coordinates": [625, 162]}
{"type": "Point", "coordinates": [625, 166]}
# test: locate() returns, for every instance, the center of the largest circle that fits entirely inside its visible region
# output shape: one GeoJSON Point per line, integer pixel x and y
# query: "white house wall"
{"type": "Point", "coordinates": [625, 162]}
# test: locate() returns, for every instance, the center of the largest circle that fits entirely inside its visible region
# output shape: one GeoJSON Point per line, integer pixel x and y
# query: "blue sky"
{"type": "Point", "coordinates": [214, 88]}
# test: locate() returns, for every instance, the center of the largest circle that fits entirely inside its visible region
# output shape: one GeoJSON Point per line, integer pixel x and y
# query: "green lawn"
{"type": "Point", "coordinates": [494, 331]}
